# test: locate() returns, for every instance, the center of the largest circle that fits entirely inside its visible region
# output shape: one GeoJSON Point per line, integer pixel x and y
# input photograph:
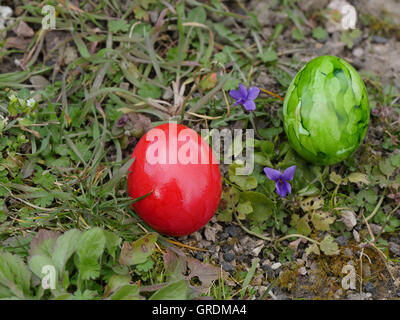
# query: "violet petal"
{"type": "Point", "coordinates": [235, 94]}
{"type": "Point", "coordinates": [272, 174]}
{"type": "Point", "coordinates": [281, 188]}
{"type": "Point", "coordinates": [243, 91]}
{"type": "Point", "coordinates": [253, 93]}
{"type": "Point", "coordinates": [249, 105]}
{"type": "Point", "coordinates": [289, 173]}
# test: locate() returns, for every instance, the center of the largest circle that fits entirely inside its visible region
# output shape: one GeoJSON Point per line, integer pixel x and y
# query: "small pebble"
{"type": "Point", "coordinates": [376, 229]}
{"type": "Point", "coordinates": [212, 249]}
{"type": "Point", "coordinates": [232, 231]}
{"type": "Point", "coordinates": [200, 255]}
{"type": "Point", "coordinates": [276, 266]}
{"type": "Point", "coordinates": [347, 252]}
{"type": "Point", "coordinates": [223, 236]}
{"type": "Point", "coordinates": [266, 267]}
{"type": "Point", "coordinates": [369, 287]}
{"type": "Point", "coordinates": [356, 236]}
{"type": "Point", "coordinates": [358, 52]}
{"type": "Point", "coordinates": [229, 256]}
{"type": "Point", "coordinates": [394, 248]}
{"type": "Point", "coordinates": [197, 236]}
{"type": "Point", "coordinates": [379, 39]}
{"type": "Point", "coordinates": [303, 271]}
{"type": "Point", "coordinates": [226, 248]}
{"type": "Point", "coordinates": [227, 267]}
{"type": "Point", "coordinates": [341, 240]}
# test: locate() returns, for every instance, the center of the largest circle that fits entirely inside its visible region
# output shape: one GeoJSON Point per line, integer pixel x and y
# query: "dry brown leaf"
{"type": "Point", "coordinates": [23, 30]}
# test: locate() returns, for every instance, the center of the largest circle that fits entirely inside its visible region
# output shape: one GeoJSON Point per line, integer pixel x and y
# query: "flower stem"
{"type": "Point", "coordinates": [249, 231]}
{"type": "Point", "coordinates": [298, 236]}
{"type": "Point", "coordinates": [252, 119]}
{"type": "Point", "coordinates": [272, 94]}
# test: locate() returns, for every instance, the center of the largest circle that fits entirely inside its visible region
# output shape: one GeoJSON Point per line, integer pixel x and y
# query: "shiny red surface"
{"type": "Point", "coordinates": [184, 196]}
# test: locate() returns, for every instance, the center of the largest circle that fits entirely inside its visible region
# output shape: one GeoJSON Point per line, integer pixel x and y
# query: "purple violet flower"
{"type": "Point", "coordinates": [282, 186]}
{"type": "Point", "coordinates": [245, 97]}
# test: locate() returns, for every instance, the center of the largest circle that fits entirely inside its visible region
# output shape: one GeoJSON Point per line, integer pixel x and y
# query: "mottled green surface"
{"type": "Point", "coordinates": [326, 111]}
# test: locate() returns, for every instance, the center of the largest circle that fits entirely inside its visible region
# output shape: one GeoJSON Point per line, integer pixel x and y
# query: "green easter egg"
{"type": "Point", "coordinates": [326, 110]}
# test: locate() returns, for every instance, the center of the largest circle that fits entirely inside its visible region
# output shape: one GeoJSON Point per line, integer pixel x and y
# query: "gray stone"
{"type": "Point", "coordinates": [232, 231]}
{"type": "Point", "coordinates": [223, 236]}
{"type": "Point", "coordinates": [394, 248]}
{"type": "Point", "coordinates": [379, 39]}
{"type": "Point", "coordinates": [369, 287]}
{"type": "Point", "coordinates": [227, 267]}
{"type": "Point", "coordinates": [341, 240]}
{"type": "Point", "coordinates": [226, 248]}
{"type": "Point", "coordinates": [229, 256]}
{"type": "Point", "coordinates": [200, 255]}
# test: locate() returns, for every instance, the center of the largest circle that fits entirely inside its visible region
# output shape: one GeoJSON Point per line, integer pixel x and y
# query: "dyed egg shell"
{"type": "Point", "coordinates": [326, 111]}
{"type": "Point", "coordinates": [185, 192]}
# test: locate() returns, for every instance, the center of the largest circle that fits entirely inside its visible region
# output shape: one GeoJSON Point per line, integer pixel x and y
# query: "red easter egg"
{"type": "Point", "coordinates": [180, 170]}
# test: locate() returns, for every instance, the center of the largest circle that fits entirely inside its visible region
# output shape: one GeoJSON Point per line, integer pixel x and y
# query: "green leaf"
{"type": "Point", "coordinates": [335, 178]}
{"type": "Point", "coordinates": [65, 246]}
{"type": "Point", "coordinates": [43, 243]}
{"type": "Point", "coordinates": [244, 208]}
{"type": "Point", "coordinates": [243, 181]}
{"type": "Point", "coordinates": [112, 242]}
{"type": "Point", "coordinates": [229, 199]}
{"type": "Point", "coordinates": [348, 37]}
{"type": "Point", "coordinates": [222, 30]}
{"type": "Point", "coordinates": [231, 84]}
{"type": "Point", "coordinates": [313, 248]}
{"type": "Point", "coordinates": [386, 167]}
{"type": "Point", "coordinates": [395, 160]}
{"type": "Point", "coordinates": [329, 246]}
{"type": "Point", "coordinates": [37, 262]}
{"type": "Point", "coordinates": [115, 282]}
{"type": "Point", "coordinates": [90, 247]}
{"type": "Point", "coordinates": [268, 56]}
{"type": "Point", "coordinates": [15, 277]}
{"type": "Point", "coordinates": [175, 291]}
{"type": "Point", "coordinates": [139, 251]}
{"type": "Point", "coordinates": [368, 196]}
{"type": "Point", "coordinates": [358, 177]}
{"type": "Point", "coordinates": [44, 201]}
{"type": "Point", "coordinates": [303, 226]}
{"type": "Point", "coordinates": [262, 206]}
{"type": "Point", "coordinates": [322, 220]}
{"type": "Point", "coordinates": [119, 288]}
{"type": "Point", "coordinates": [198, 14]}
{"type": "Point", "coordinates": [118, 25]}
{"type": "Point", "coordinates": [24, 94]}
{"type": "Point", "coordinates": [3, 214]}
{"type": "Point", "coordinates": [297, 34]}
{"type": "Point", "coordinates": [270, 133]}
{"type": "Point", "coordinates": [319, 34]}
{"type": "Point", "coordinates": [149, 90]}
{"type": "Point", "coordinates": [127, 292]}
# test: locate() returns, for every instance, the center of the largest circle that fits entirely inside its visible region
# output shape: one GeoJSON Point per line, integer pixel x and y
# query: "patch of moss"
{"type": "Point", "coordinates": [325, 281]}
{"type": "Point", "coordinates": [383, 27]}
{"type": "Point", "coordinates": [288, 278]}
